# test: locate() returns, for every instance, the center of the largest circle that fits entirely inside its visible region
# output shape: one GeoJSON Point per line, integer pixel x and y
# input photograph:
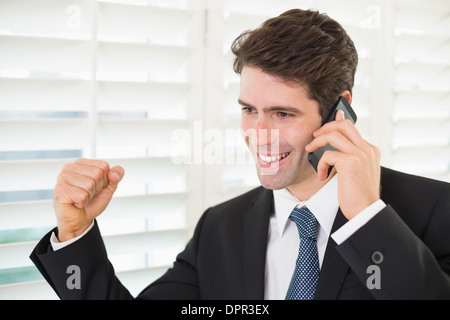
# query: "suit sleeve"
{"type": "Point", "coordinates": [411, 266]}
{"type": "Point", "coordinates": [98, 280]}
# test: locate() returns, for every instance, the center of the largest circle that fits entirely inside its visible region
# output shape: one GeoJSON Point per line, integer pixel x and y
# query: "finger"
{"type": "Point", "coordinates": [95, 173]}
{"type": "Point", "coordinates": [102, 199]}
{"type": "Point", "coordinates": [345, 127]}
{"type": "Point", "coordinates": [93, 162]}
{"type": "Point", "coordinates": [67, 194]}
{"type": "Point", "coordinates": [340, 115]}
{"type": "Point", "coordinates": [344, 124]}
{"type": "Point", "coordinates": [329, 158]}
{"type": "Point", "coordinates": [335, 139]}
{"type": "Point", "coordinates": [103, 165]}
{"type": "Point", "coordinates": [79, 181]}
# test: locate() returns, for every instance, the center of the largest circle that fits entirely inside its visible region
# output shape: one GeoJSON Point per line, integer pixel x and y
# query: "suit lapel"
{"type": "Point", "coordinates": [334, 268]}
{"type": "Point", "coordinates": [256, 225]}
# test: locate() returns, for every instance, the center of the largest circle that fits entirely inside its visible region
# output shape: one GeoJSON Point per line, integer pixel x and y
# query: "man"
{"type": "Point", "coordinates": [371, 219]}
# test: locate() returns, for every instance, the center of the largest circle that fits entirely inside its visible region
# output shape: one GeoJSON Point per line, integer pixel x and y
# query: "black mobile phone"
{"type": "Point", "coordinates": [341, 104]}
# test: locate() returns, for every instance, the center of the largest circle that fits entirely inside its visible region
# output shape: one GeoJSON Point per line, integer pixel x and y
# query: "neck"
{"type": "Point", "coordinates": [306, 188]}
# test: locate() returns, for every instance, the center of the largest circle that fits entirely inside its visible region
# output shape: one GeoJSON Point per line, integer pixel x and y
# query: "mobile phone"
{"type": "Point", "coordinates": [341, 104]}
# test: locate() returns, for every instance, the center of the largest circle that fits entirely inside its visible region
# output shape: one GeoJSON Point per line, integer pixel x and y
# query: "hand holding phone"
{"type": "Point", "coordinates": [357, 161]}
{"type": "Point", "coordinates": [341, 104]}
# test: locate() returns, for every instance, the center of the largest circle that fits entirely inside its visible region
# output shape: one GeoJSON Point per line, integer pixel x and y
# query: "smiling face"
{"type": "Point", "coordinates": [271, 105]}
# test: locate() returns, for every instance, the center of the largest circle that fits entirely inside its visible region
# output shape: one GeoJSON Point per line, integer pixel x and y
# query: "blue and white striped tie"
{"type": "Point", "coordinates": [306, 274]}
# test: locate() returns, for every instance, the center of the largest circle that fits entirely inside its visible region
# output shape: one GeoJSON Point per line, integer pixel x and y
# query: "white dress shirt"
{"type": "Point", "coordinates": [283, 238]}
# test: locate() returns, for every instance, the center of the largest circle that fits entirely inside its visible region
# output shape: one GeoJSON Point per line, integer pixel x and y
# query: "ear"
{"type": "Point", "coordinates": [347, 95]}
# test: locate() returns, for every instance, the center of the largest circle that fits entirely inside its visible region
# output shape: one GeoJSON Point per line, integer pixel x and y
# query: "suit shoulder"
{"type": "Point", "coordinates": [415, 199]}
{"type": "Point", "coordinates": [396, 181]}
{"type": "Point", "coordinates": [244, 200]}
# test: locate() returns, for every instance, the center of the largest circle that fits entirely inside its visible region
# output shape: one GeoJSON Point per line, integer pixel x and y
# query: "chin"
{"type": "Point", "coordinates": [270, 187]}
{"type": "Point", "coordinates": [282, 178]}
{"type": "Point", "coordinates": [271, 182]}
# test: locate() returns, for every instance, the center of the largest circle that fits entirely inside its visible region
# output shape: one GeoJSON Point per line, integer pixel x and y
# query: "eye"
{"type": "Point", "coordinates": [283, 115]}
{"type": "Point", "coordinates": [248, 110]}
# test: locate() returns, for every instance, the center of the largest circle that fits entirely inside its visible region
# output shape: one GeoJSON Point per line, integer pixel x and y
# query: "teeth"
{"type": "Point", "coordinates": [269, 159]}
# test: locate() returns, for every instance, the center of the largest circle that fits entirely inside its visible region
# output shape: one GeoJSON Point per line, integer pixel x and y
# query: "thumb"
{"type": "Point", "coordinates": [115, 175]}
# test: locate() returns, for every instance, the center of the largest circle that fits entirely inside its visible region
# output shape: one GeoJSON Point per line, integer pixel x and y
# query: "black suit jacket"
{"type": "Point", "coordinates": [225, 259]}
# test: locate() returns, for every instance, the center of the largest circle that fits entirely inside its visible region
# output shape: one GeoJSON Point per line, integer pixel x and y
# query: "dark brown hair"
{"type": "Point", "coordinates": [302, 47]}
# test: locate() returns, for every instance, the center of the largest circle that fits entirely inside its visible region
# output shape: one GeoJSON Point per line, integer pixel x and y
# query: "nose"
{"type": "Point", "coordinates": [263, 135]}
{"type": "Point", "coordinates": [263, 129]}
{"type": "Point", "coordinates": [263, 123]}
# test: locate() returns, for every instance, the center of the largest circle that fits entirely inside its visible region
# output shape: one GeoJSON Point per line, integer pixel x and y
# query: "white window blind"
{"type": "Point", "coordinates": [97, 79]}
{"type": "Point", "coordinates": [117, 80]}
{"type": "Point", "coordinates": [421, 103]}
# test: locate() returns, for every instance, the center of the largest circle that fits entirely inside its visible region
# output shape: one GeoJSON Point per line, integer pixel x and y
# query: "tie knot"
{"type": "Point", "coordinates": [306, 223]}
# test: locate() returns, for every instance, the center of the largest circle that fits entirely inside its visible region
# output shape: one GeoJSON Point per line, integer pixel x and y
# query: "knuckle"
{"type": "Point", "coordinates": [326, 154]}
{"type": "Point", "coordinates": [89, 185]}
{"type": "Point", "coordinates": [372, 152]}
{"type": "Point", "coordinates": [353, 160]}
{"type": "Point", "coordinates": [102, 165]}
{"type": "Point", "coordinates": [58, 191]}
{"type": "Point", "coordinates": [80, 160]}
{"type": "Point", "coordinates": [68, 167]}
{"type": "Point", "coordinates": [62, 177]}
{"type": "Point", "coordinates": [80, 196]}
{"type": "Point", "coordinates": [335, 135]}
{"type": "Point", "coordinates": [97, 174]}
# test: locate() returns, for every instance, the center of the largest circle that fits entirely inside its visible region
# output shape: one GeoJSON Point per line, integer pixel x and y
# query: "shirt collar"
{"type": "Point", "coordinates": [323, 204]}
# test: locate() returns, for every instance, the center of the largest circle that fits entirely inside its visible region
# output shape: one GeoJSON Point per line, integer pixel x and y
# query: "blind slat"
{"type": "Point", "coordinates": [152, 97]}
{"type": "Point", "coordinates": [27, 214]}
{"type": "Point", "coordinates": [44, 94]}
{"type": "Point", "coordinates": [28, 134]}
{"type": "Point", "coordinates": [163, 25]}
{"type": "Point", "coordinates": [138, 132]}
{"type": "Point", "coordinates": [422, 76]}
{"type": "Point", "coordinates": [419, 48]}
{"type": "Point", "coordinates": [145, 242]}
{"type": "Point", "coordinates": [16, 254]}
{"type": "Point", "coordinates": [415, 132]}
{"type": "Point", "coordinates": [59, 18]}
{"type": "Point", "coordinates": [50, 55]}
{"type": "Point", "coordinates": [36, 290]}
{"type": "Point", "coordinates": [29, 175]}
{"type": "Point", "coordinates": [136, 57]}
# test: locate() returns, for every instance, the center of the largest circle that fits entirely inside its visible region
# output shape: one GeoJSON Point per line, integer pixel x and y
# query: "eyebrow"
{"type": "Point", "coordinates": [271, 109]}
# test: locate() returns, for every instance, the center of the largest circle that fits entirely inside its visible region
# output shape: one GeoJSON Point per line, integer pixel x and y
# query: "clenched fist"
{"type": "Point", "coordinates": [82, 192]}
